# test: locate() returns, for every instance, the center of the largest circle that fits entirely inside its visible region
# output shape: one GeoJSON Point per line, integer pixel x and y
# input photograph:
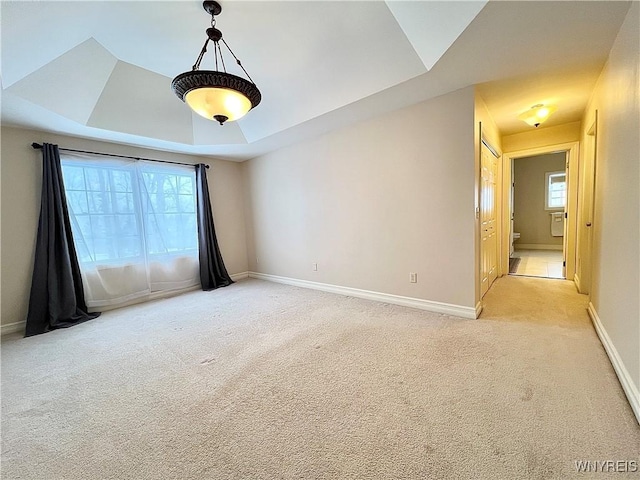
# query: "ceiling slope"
{"type": "Point", "coordinates": [103, 69]}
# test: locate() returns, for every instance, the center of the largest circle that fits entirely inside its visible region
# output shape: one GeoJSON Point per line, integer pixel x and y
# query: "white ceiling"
{"type": "Point", "coordinates": [103, 69]}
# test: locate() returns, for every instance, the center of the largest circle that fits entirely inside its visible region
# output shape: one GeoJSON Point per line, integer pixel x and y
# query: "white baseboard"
{"type": "Point", "coordinates": [438, 307]}
{"type": "Point", "coordinates": [629, 387]}
{"type": "Point", "coordinates": [12, 328]}
{"type": "Point", "coordinates": [536, 246]}
{"type": "Point", "coordinates": [576, 281]}
{"type": "Point", "coordinates": [239, 276]}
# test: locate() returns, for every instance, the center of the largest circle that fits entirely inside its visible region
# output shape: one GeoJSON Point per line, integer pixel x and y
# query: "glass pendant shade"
{"type": "Point", "coordinates": [218, 102]}
{"type": "Point", "coordinates": [537, 114]}
{"type": "Point", "coordinates": [215, 95]}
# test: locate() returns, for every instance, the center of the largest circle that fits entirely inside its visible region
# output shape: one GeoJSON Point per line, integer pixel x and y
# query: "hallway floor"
{"type": "Point", "coordinates": [539, 263]}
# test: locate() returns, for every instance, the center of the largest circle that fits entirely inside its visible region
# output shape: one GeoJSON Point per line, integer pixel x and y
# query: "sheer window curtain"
{"type": "Point", "coordinates": [134, 224]}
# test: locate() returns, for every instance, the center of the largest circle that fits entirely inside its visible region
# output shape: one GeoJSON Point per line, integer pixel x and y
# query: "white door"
{"type": "Point", "coordinates": [488, 224]}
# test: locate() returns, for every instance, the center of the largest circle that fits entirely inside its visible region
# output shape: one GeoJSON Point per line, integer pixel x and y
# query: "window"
{"type": "Point", "coordinates": [134, 226]}
{"type": "Point", "coordinates": [555, 190]}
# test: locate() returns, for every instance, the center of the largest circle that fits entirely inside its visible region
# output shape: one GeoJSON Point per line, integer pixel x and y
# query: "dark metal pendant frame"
{"type": "Point", "coordinates": [196, 78]}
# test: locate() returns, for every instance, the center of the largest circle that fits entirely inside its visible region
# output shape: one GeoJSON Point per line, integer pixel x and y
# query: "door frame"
{"type": "Point", "coordinates": [572, 150]}
{"type": "Point", "coordinates": [587, 206]}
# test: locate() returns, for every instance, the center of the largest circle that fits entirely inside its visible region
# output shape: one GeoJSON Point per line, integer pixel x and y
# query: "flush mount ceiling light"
{"type": "Point", "coordinates": [214, 94]}
{"type": "Point", "coordinates": [537, 114]}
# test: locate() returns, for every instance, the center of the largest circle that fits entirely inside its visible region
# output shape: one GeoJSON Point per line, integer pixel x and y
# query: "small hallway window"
{"type": "Point", "coordinates": [556, 190]}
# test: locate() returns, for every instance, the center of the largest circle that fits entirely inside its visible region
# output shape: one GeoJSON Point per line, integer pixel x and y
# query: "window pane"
{"type": "Point", "coordinates": [108, 200]}
{"type": "Point", "coordinates": [124, 202]}
{"type": "Point", "coordinates": [556, 190]}
{"type": "Point", "coordinates": [77, 201]}
{"type": "Point", "coordinates": [186, 185]}
{"type": "Point", "coordinates": [99, 202]}
{"type": "Point", "coordinates": [83, 222]}
{"type": "Point", "coordinates": [154, 244]}
{"type": "Point", "coordinates": [187, 203]}
{"type": "Point", "coordinates": [169, 184]}
{"type": "Point", "coordinates": [169, 203]}
{"type": "Point", "coordinates": [103, 226]}
{"type": "Point", "coordinates": [126, 225]}
{"type": "Point", "coordinates": [129, 247]}
{"type": "Point", "coordinates": [169, 211]}
{"type": "Point", "coordinates": [103, 249]}
{"type": "Point", "coordinates": [149, 183]}
{"type": "Point", "coordinates": [122, 181]}
{"type": "Point", "coordinates": [190, 235]}
{"type": "Point", "coordinates": [73, 177]}
{"type": "Point", "coordinates": [83, 253]}
{"type": "Point", "coordinates": [95, 179]}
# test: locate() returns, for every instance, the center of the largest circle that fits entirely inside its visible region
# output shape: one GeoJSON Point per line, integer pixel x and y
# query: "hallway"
{"type": "Point", "coordinates": [571, 388]}
{"type": "Point", "coordinates": [539, 263]}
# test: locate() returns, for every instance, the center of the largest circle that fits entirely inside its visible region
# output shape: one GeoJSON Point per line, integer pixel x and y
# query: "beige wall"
{"type": "Point", "coordinates": [542, 137]}
{"type": "Point", "coordinates": [531, 219]}
{"type": "Point", "coordinates": [371, 203]}
{"type": "Point", "coordinates": [20, 191]}
{"type": "Point", "coordinates": [615, 284]}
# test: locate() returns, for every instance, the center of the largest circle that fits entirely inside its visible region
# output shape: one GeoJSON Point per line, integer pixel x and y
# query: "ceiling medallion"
{"type": "Point", "coordinates": [537, 114]}
{"type": "Point", "coordinates": [214, 94]}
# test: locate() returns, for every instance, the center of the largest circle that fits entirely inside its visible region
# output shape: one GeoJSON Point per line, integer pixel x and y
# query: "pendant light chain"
{"type": "Point", "coordinates": [218, 50]}
{"type": "Point", "coordinates": [196, 66]}
{"type": "Point", "coordinates": [237, 61]}
{"type": "Point", "coordinates": [221, 57]}
{"type": "Point", "coordinates": [215, 53]}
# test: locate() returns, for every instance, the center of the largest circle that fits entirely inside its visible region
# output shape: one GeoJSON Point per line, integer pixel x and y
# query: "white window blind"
{"type": "Point", "coordinates": [134, 226]}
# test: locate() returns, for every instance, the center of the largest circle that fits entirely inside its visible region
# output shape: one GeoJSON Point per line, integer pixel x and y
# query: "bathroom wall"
{"type": "Point", "coordinates": [531, 219]}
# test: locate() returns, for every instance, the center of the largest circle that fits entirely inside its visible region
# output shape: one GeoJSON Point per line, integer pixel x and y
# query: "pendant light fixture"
{"type": "Point", "coordinates": [215, 94]}
{"type": "Point", "coordinates": [537, 114]}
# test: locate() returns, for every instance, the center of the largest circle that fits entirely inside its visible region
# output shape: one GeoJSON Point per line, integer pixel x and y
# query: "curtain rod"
{"type": "Point", "coordinates": [37, 146]}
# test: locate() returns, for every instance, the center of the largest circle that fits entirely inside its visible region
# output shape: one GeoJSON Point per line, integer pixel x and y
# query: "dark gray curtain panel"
{"type": "Point", "coordinates": [57, 296]}
{"type": "Point", "coordinates": [213, 273]}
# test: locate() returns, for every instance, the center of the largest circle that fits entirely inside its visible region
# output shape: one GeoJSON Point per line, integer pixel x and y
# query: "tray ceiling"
{"type": "Point", "coordinates": [103, 69]}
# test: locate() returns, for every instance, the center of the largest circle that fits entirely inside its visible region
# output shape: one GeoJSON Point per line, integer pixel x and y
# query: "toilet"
{"type": "Point", "coordinates": [516, 236]}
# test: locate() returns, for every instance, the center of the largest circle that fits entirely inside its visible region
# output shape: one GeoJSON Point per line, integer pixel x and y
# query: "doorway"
{"type": "Point", "coordinates": [544, 256]}
{"type": "Point", "coordinates": [539, 193]}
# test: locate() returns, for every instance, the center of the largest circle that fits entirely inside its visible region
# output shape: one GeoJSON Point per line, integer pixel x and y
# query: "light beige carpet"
{"type": "Point", "coordinates": [265, 381]}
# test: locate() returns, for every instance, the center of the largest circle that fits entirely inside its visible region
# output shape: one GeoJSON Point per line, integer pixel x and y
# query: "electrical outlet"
{"type": "Point", "coordinates": [413, 277]}
{"type": "Point", "coordinates": [314, 266]}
